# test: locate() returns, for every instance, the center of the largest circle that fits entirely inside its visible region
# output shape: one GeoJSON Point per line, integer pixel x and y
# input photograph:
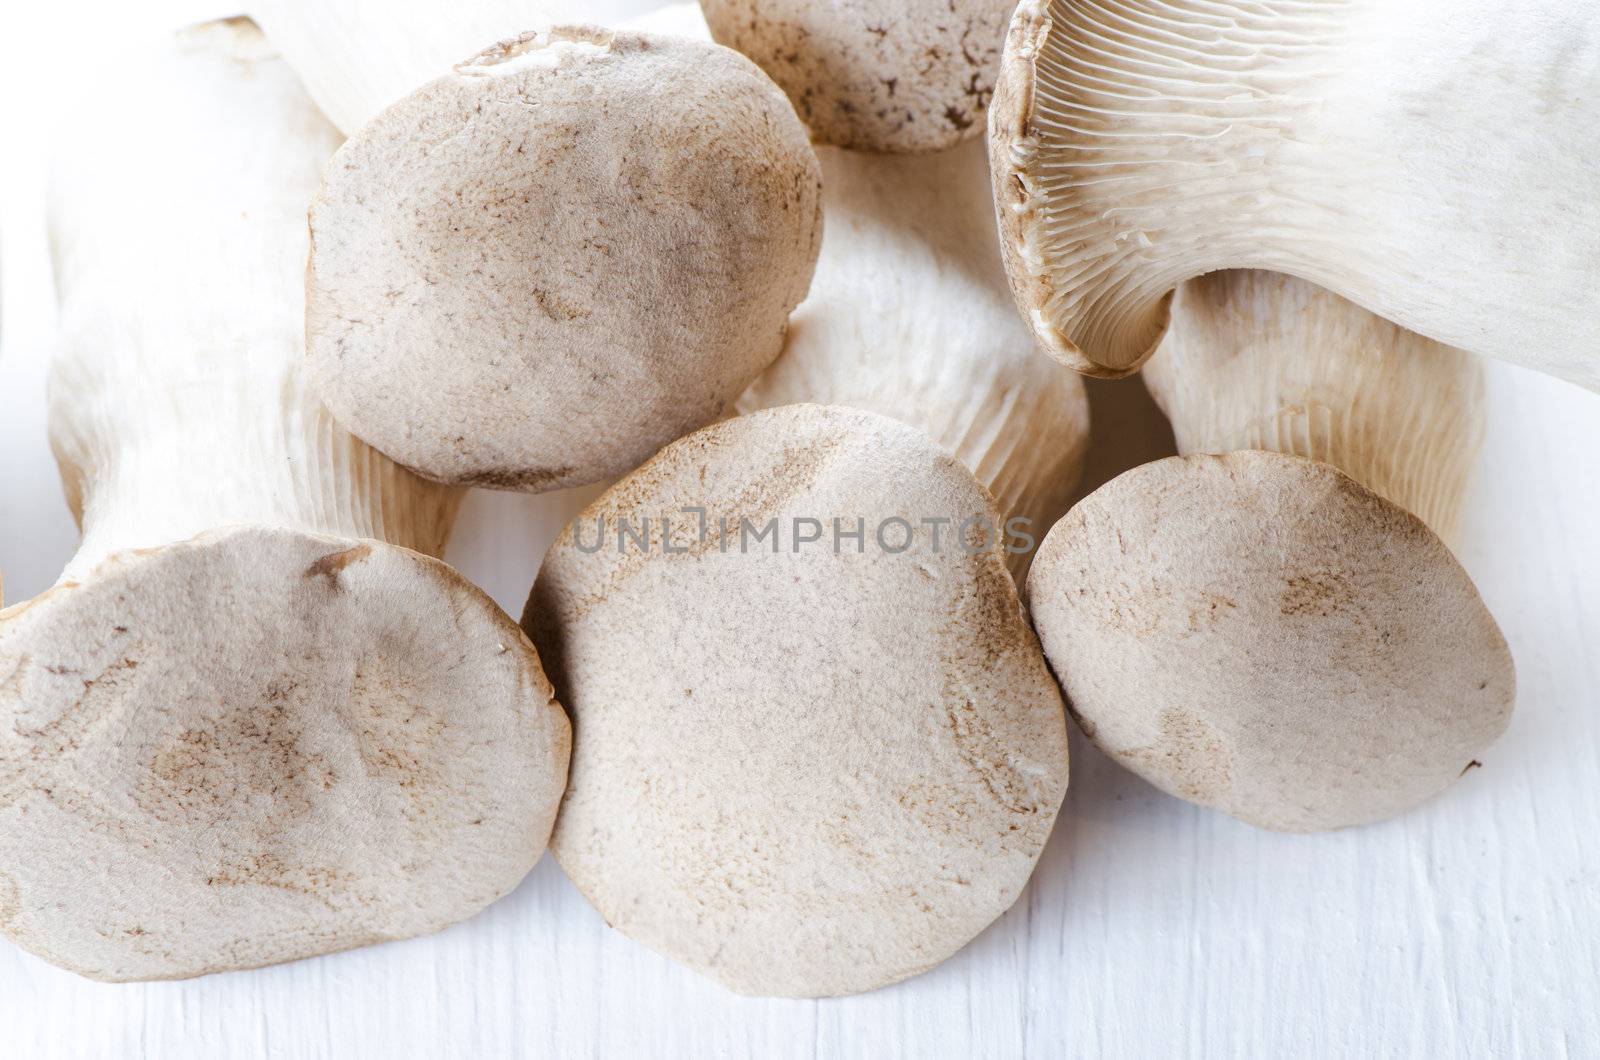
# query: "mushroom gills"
{"type": "Point", "coordinates": [1400, 155]}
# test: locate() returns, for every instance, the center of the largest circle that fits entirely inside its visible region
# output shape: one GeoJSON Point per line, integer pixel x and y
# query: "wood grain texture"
{"type": "Point", "coordinates": [1469, 927]}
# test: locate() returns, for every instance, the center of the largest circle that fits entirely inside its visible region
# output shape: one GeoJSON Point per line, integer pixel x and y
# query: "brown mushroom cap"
{"type": "Point", "coordinates": [579, 246]}
{"type": "Point", "coordinates": [874, 75]}
{"type": "Point", "coordinates": [1260, 634]}
{"type": "Point", "coordinates": [261, 745]}
{"type": "Point", "coordinates": [802, 772]}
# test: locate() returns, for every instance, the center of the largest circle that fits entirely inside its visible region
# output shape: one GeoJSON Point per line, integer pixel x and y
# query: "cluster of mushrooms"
{"type": "Point", "coordinates": [257, 719]}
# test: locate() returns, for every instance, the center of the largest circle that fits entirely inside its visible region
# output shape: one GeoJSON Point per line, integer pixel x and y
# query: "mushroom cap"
{"type": "Point", "coordinates": [874, 75]}
{"type": "Point", "coordinates": [1054, 255]}
{"type": "Point", "coordinates": [1139, 143]}
{"type": "Point", "coordinates": [582, 244]}
{"type": "Point", "coordinates": [260, 745]}
{"type": "Point", "coordinates": [801, 772]}
{"type": "Point", "coordinates": [1261, 634]}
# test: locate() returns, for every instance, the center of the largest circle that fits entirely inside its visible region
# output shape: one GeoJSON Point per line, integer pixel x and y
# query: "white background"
{"type": "Point", "coordinates": [1470, 926]}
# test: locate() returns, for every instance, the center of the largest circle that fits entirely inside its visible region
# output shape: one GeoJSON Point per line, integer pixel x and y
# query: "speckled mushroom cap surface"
{"type": "Point", "coordinates": [191, 783]}
{"type": "Point", "coordinates": [875, 75]}
{"type": "Point", "coordinates": [578, 246]}
{"type": "Point", "coordinates": [801, 772]}
{"type": "Point", "coordinates": [1260, 634]}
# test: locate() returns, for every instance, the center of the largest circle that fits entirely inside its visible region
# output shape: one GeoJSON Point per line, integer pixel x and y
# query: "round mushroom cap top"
{"type": "Point", "coordinates": [538, 270]}
{"type": "Point", "coordinates": [876, 75]}
{"type": "Point", "coordinates": [801, 769]}
{"type": "Point", "coordinates": [1261, 634]}
{"type": "Point", "coordinates": [260, 745]}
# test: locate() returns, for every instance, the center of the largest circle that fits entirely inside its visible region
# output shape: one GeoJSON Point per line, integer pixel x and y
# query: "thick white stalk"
{"type": "Point", "coordinates": [1430, 160]}
{"type": "Point", "coordinates": [1259, 360]}
{"type": "Point", "coordinates": [359, 56]}
{"type": "Point", "coordinates": [908, 316]}
{"type": "Point", "coordinates": [177, 398]}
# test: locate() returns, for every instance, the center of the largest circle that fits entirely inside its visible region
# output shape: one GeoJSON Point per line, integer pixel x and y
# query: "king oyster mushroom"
{"type": "Point", "coordinates": [1259, 632]}
{"type": "Point", "coordinates": [254, 720]}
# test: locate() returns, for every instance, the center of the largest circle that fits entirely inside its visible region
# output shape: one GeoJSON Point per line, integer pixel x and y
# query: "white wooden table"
{"type": "Point", "coordinates": [1468, 927]}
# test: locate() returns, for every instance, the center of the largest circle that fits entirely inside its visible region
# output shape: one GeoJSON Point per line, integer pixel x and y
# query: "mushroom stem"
{"type": "Point", "coordinates": [1431, 161]}
{"type": "Point", "coordinates": [359, 56]}
{"type": "Point", "coordinates": [146, 464]}
{"type": "Point", "coordinates": [1259, 360]}
{"type": "Point", "coordinates": [177, 397]}
{"type": "Point", "coordinates": [908, 316]}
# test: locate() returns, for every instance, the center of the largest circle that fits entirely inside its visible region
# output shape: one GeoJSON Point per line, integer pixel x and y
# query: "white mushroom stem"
{"type": "Point", "coordinates": [1431, 160]}
{"type": "Point", "coordinates": [909, 317]}
{"type": "Point", "coordinates": [358, 56]}
{"type": "Point", "coordinates": [148, 463]}
{"type": "Point", "coordinates": [177, 402]}
{"type": "Point", "coordinates": [1259, 360]}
